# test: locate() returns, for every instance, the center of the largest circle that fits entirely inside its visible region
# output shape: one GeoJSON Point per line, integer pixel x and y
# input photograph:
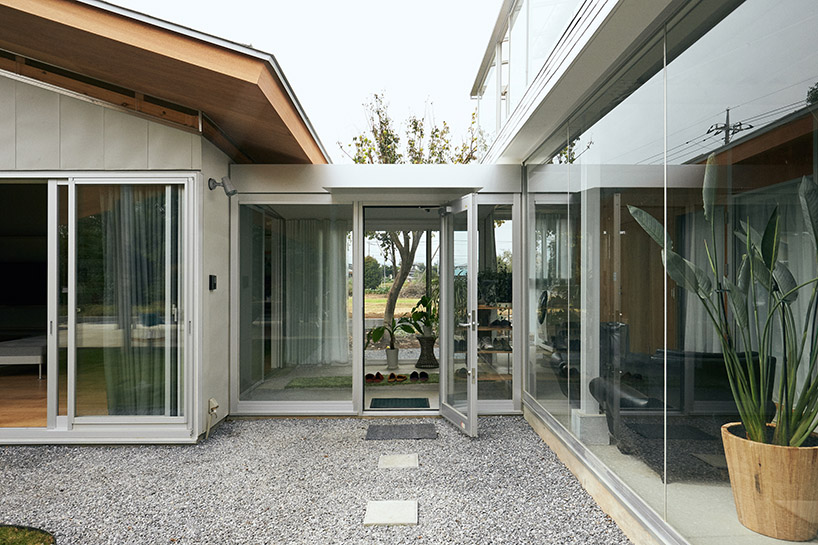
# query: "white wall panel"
{"type": "Point", "coordinates": [8, 125]}
{"type": "Point", "coordinates": [125, 141]}
{"type": "Point", "coordinates": [81, 130]}
{"type": "Point", "coordinates": [38, 128]}
{"type": "Point", "coordinates": [169, 148]}
{"type": "Point", "coordinates": [216, 325]}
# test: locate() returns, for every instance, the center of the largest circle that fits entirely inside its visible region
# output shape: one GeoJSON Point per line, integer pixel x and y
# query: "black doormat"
{"type": "Point", "coordinates": [399, 403]}
{"type": "Point", "coordinates": [401, 431]}
{"type": "Point", "coordinates": [674, 431]}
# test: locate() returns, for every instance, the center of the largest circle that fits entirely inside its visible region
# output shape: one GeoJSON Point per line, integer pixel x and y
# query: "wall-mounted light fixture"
{"type": "Point", "coordinates": [226, 184]}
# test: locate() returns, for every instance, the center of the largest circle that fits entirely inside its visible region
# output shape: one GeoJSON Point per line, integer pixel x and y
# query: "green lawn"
{"type": "Point", "coordinates": [15, 535]}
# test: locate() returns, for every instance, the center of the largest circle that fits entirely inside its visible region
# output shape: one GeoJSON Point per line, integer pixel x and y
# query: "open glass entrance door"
{"type": "Point", "coordinates": [458, 314]}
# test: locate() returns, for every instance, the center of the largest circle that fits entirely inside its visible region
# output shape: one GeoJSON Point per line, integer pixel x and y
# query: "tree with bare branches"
{"type": "Point", "coordinates": [426, 143]}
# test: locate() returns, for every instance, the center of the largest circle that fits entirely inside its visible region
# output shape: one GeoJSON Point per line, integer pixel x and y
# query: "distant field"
{"type": "Point", "coordinates": [375, 304]}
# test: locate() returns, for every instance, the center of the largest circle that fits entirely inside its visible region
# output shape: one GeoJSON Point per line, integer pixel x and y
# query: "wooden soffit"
{"type": "Point", "coordinates": [240, 90]}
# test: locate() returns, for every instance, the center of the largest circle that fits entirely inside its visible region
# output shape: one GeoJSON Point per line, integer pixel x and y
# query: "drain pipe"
{"type": "Point", "coordinates": [212, 407]}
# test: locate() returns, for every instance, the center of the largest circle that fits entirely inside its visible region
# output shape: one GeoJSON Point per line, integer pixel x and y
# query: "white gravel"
{"type": "Point", "coordinates": [303, 481]}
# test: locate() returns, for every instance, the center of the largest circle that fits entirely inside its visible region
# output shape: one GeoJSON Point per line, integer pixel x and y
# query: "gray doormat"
{"type": "Point", "coordinates": [401, 431]}
{"type": "Point", "coordinates": [399, 403]}
{"type": "Point", "coordinates": [674, 431]}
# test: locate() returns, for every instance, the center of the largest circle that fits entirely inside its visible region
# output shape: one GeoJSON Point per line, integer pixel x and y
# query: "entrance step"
{"type": "Point", "coordinates": [390, 461]}
{"type": "Point", "coordinates": [391, 513]}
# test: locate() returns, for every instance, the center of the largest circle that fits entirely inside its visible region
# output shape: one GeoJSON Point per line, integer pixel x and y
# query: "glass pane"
{"type": "Point", "coordinates": [765, 148]}
{"type": "Point", "coordinates": [554, 298]}
{"type": "Point", "coordinates": [23, 303]}
{"type": "Point", "coordinates": [518, 47]}
{"type": "Point", "coordinates": [128, 300]}
{"type": "Point", "coordinates": [295, 273]}
{"type": "Point", "coordinates": [457, 378]}
{"type": "Point", "coordinates": [495, 314]}
{"type": "Point", "coordinates": [62, 299]}
{"type": "Point", "coordinates": [489, 102]}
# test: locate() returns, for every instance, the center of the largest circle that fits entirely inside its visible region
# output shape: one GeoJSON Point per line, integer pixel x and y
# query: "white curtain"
{"type": "Point", "coordinates": [133, 250]}
{"type": "Point", "coordinates": [315, 284]}
{"type": "Point", "coordinates": [699, 333]}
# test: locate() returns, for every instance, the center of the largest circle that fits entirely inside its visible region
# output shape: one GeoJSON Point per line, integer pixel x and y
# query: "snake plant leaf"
{"type": "Point", "coordinates": [738, 304]}
{"type": "Point", "coordinates": [709, 187]}
{"type": "Point", "coordinates": [785, 282]}
{"type": "Point", "coordinates": [771, 240]}
{"type": "Point", "coordinates": [808, 195]}
{"type": "Point", "coordinates": [651, 226]}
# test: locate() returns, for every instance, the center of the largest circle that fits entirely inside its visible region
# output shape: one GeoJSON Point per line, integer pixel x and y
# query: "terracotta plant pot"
{"type": "Point", "coordinates": [775, 488]}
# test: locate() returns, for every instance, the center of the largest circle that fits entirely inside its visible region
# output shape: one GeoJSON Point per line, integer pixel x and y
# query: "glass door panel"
{"type": "Point", "coordinates": [126, 327]}
{"type": "Point", "coordinates": [459, 315]}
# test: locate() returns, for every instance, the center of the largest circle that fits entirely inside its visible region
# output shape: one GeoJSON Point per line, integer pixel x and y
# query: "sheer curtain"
{"type": "Point", "coordinates": [134, 265]}
{"type": "Point", "coordinates": [698, 331]}
{"type": "Point", "coordinates": [315, 309]}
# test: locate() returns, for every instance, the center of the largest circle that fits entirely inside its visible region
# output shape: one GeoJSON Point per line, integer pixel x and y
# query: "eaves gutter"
{"type": "Point", "coordinates": [242, 49]}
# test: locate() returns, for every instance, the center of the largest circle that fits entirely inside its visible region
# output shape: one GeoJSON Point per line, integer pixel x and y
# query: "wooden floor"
{"type": "Point", "coordinates": [23, 396]}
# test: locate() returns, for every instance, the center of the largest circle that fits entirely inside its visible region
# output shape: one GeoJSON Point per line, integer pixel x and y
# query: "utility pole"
{"type": "Point", "coordinates": [728, 129]}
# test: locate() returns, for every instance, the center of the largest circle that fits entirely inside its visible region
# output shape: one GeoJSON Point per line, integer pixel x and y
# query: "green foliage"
{"type": "Point", "coordinates": [568, 154]}
{"type": "Point", "coordinates": [424, 317]}
{"type": "Point", "coordinates": [760, 303]}
{"type": "Point", "coordinates": [812, 95]}
{"type": "Point", "coordinates": [376, 333]}
{"type": "Point", "coordinates": [372, 273]}
{"type": "Point", "coordinates": [381, 144]}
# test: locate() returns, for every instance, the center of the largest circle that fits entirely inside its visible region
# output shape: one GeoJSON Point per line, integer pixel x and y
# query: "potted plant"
{"type": "Point", "coordinates": [376, 334]}
{"type": "Point", "coordinates": [424, 320]}
{"type": "Point", "coordinates": [774, 468]}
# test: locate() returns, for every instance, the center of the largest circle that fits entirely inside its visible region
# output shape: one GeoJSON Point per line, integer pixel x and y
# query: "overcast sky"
{"type": "Point", "coordinates": [423, 54]}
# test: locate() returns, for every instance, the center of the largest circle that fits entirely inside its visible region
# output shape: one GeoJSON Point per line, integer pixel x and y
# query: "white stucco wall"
{"type": "Point", "coordinates": [215, 329]}
{"type": "Point", "coordinates": [44, 129]}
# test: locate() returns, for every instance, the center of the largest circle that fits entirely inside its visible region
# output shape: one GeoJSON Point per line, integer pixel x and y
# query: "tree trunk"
{"type": "Point", "coordinates": [407, 249]}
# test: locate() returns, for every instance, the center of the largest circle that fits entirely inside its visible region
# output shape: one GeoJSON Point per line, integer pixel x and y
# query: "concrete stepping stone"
{"type": "Point", "coordinates": [390, 461]}
{"type": "Point", "coordinates": [391, 513]}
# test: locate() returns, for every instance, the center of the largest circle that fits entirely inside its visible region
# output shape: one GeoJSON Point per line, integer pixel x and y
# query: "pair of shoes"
{"type": "Point", "coordinates": [401, 378]}
{"type": "Point", "coordinates": [505, 323]}
{"type": "Point", "coordinates": [378, 377]}
{"type": "Point", "coordinates": [414, 377]}
{"type": "Point", "coordinates": [369, 377]}
{"type": "Point", "coordinates": [424, 376]}
{"type": "Point", "coordinates": [392, 377]}
{"type": "Point", "coordinates": [461, 373]}
{"type": "Point", "coordinates": [485, 343]}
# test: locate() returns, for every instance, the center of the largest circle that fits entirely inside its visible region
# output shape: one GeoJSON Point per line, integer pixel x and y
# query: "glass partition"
{"type": "Point", "coordinates": [294, 302]}
{"type": "Point", "coordinates": [741, 88]}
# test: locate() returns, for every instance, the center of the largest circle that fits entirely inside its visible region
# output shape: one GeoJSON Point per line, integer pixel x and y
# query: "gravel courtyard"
{"type": "Point", "coordinates": [304, 481]}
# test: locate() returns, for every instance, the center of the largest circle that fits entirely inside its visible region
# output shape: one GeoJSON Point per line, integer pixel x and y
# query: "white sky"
{"type": "Point", "coordinates": [335, 54]}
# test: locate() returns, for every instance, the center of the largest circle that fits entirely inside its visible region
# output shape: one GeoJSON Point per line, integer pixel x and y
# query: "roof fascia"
{"type": "Point", "coordinates": [268, 59]}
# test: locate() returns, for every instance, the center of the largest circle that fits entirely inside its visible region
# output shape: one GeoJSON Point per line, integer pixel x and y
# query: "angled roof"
{"type": "Point", "coordinates": [248, 108]}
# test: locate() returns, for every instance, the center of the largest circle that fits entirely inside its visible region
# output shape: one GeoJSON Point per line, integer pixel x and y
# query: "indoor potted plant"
{"type": "Point", "coordinates": [774, 470]}
{"type": "Point", "coordinates": [376, 334]}
{"type": "Point", "coordinates": [423, 320]}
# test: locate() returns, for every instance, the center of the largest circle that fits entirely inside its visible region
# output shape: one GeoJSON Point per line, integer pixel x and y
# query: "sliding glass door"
{"type": "Point", "coordinates": [116, 301]}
